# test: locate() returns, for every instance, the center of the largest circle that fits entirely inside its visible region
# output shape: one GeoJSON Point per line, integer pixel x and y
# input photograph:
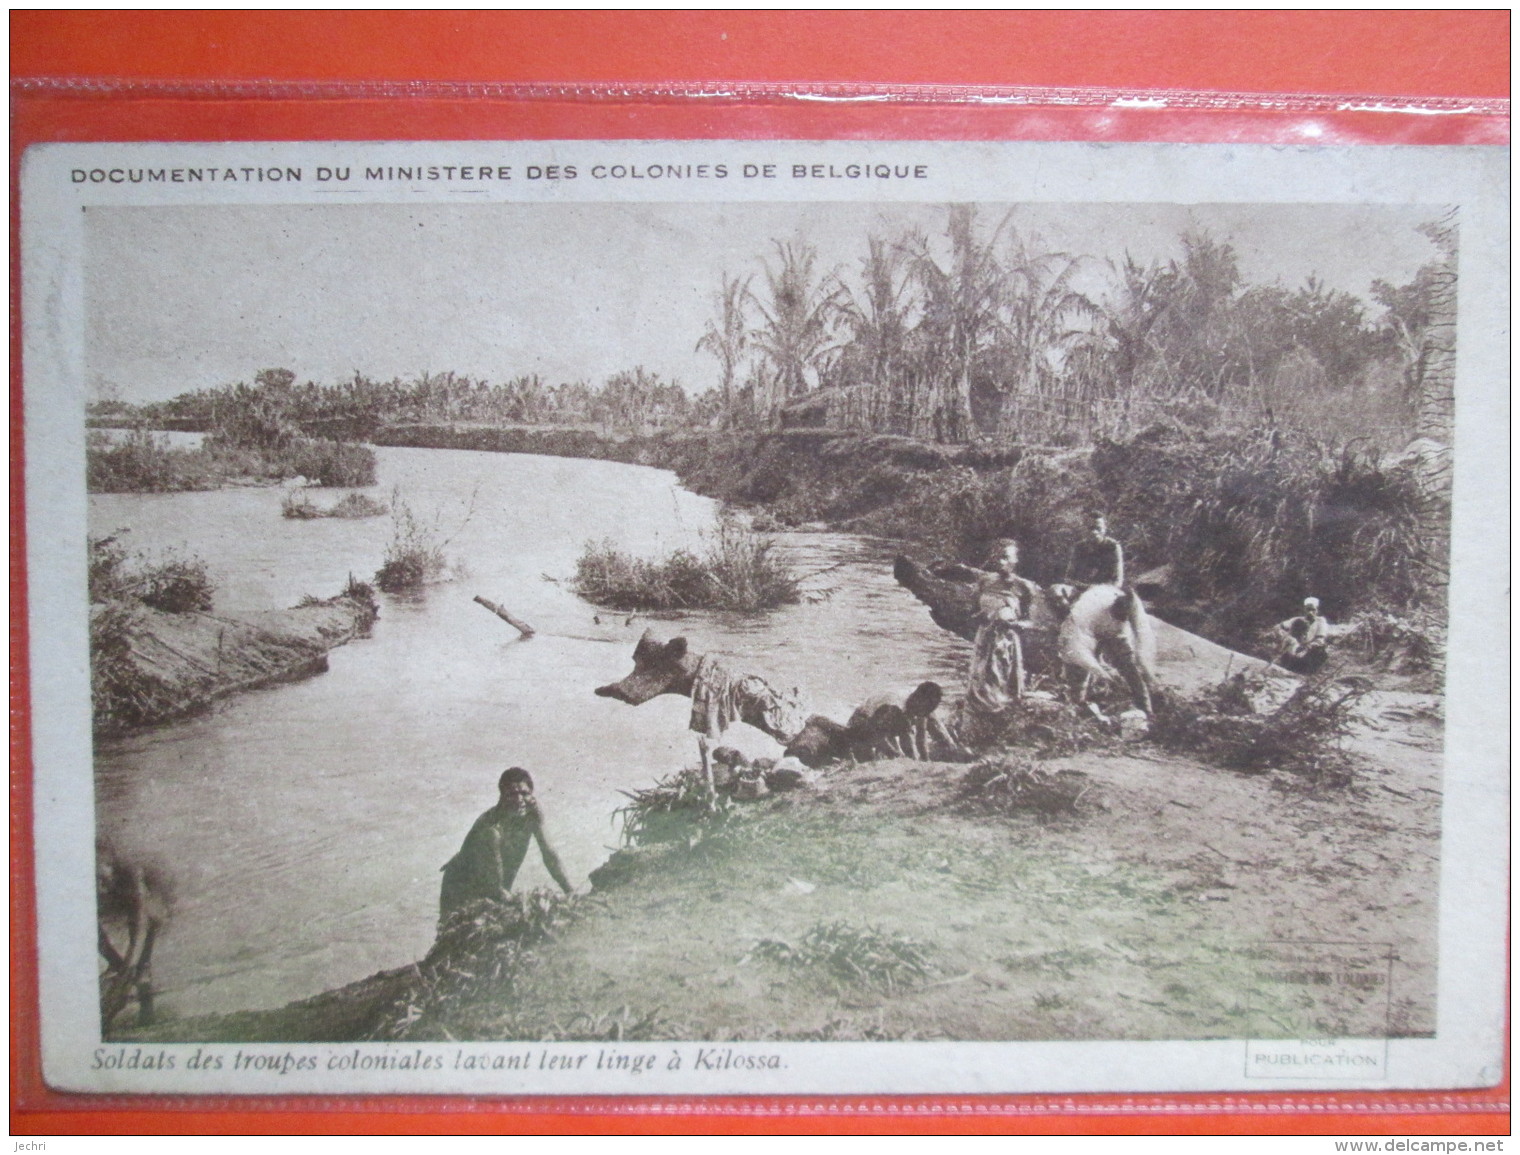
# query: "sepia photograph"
{"type": "Point", "coordinates": [603, 619]}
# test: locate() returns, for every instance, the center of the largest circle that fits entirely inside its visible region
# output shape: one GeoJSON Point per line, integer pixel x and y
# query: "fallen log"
{"type": "Point", "coordinates": [521, 626]}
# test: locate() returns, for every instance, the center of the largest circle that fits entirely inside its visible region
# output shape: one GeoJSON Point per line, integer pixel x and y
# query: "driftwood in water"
{"type": "Point", "coordinates": [521, 626]}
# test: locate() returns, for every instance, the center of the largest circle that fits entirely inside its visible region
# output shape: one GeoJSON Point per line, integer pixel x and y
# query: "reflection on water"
{"type": "Point", "coordinates": [306, 823]}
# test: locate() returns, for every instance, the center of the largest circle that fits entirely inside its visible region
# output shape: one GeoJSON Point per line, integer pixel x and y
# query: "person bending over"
{"type": "Point", "coordinates": [494, 849]}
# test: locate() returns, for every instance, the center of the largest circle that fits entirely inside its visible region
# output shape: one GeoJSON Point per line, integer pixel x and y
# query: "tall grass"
{"type": "Point", "coordinates": [144, 462]}
{"type": "Point", "coordinates": [415, 556]}
{"type": "Point", "coordinates": [737, 569]}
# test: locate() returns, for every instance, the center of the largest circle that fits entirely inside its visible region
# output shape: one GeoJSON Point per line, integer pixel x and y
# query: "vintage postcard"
{"type": "Point", "coordinates": [606, 617]}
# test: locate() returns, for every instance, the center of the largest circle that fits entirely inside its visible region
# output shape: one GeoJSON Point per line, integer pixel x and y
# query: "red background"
{"type": "Point", "coordinates": [1399, 55]}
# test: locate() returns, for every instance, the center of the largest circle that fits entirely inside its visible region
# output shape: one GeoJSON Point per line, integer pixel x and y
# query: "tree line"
{"type": "Point", "coordinates": [981, 332]}
{"type": "Point", "coordinates": [275, 405]}
{"type": "Point", "coordinates": [977, 332]}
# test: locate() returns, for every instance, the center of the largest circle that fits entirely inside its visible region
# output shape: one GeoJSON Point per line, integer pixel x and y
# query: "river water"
{"type": "Point", "coordinates": [305, 824]}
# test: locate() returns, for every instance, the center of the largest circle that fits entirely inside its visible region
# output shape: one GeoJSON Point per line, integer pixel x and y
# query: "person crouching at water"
{"type": "Point", "coordinates": [1004, 603]}
{"type": "Point", "coordinates": [493, 851]}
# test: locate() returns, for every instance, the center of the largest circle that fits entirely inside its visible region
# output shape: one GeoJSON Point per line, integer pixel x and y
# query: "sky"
{"type": "Point", "coordinates": [182, 298]}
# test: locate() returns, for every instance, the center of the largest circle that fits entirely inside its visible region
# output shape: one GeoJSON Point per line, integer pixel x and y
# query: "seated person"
{"type": "Point", "coordinates": [1305, 640]}
{"type": "Point", "coordinates": [1097, 559]}
{"type": "Point", "coordinates": [493, 851]}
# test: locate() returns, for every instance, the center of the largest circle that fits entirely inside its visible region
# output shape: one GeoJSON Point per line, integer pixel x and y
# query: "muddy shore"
{"type": "Point", "coordinates": [1172, 900]}
{"type": "Point", "coordinates": [171, 665]}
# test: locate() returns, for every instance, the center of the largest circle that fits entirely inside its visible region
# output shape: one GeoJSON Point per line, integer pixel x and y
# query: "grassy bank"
{"type": "Point", "coordinates": [142, 462]}
{"type": "Point", "coordinates": [159, 652]}
{"type": "Point", "coordinates": [1087, 895]}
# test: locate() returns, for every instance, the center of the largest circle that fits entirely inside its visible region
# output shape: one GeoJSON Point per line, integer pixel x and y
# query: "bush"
{"type": "Point", "coordinates": [739, 570]}
{"type": "Point", "coordinates": [414, 558]}
{"type": "Point", "coordinates": [177, 586]}
{"type": "Point", "coordinates": [142, 462]}
{"type": "Point", "coordinates": [1013, 784]}
{"type": "Point", "coordinates": [299, 505]}
{"type": "Point", "coordinates": [335, 464]}
{"type": "Point", "coordinates": [674, 809]}
{"type": "Point", "coordinates": [172, 584]}
{"type": "Point", "coordinates": [357, 505]}
{"type": "Point", "coordinates": [1306, 735]}
{"type": "Point", "coordinates": [867, 956]}
{"type": "Point", "coordinates": [108, 572]}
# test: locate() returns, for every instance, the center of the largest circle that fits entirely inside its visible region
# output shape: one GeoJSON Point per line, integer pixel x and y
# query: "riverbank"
{"type": "Point", "coordinates": [1233, 528]}
{"type": "Point", "coordinates": [1162, 899]}
{"type": "Point", "coordinates": [150, 666]}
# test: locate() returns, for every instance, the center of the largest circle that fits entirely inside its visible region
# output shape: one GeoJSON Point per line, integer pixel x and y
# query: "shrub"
{"type": "Point", "coordinates": [1013, 784]}
{"type": "Point", "coordinates": [173, 584]}
{"type": "Point", "coordinates": [867, 956]}
{"type": "Point", "coordinates": [739, 570]}
{"type": "Point", "coordinates": [414, 558]}
{"type": "Point", "coordinates": [356, 505]}
{"type": "Point", "coordinates": [1306, 735]}
{"type": "Point", "coordinates": [336, 464]}
{"type": "Point", "coordinates": [476, 958]}
{"type": "Point", "coordinates": [176, 586]}
{"type": "Point", "coordinates": [674, 809]}
{"type": "Point", "coordinates": [143, 462]}
{"type": "Point", "coordinates": [108, 572]}
{"type": "Point", "coordinates": [298, 504]}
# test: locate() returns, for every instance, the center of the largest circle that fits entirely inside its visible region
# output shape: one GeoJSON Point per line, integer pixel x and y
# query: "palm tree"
{"type": "Point", "coordinates": [727, 335]}
{"type": "Point", "coordinates": [797, 330]}
{"type": "Point", "coordinates": [962, 317]}
{"type": "Point", "coordinates": [879, 319]}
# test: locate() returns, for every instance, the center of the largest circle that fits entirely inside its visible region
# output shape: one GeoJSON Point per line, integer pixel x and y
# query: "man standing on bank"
{"type": "Point", "coordinates": [494, 849]}
{"type": "Point", "coordinates": [1096, 560]}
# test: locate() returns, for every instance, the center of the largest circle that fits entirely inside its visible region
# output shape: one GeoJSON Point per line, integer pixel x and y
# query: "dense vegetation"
{"type": "Point", "coordinates": [1244, 434]}
{"type": "Point", "coordinates": [636, 401]}
{"type": "Point", "coordinates": [983, 332]}
{"type": "Point", "coordinates": [253, 435]}
{"type": "Point", "coordinates": [121, 584]}
{"type": "Point", "coordinates": [980, 332]}
{"type": "Point", "coordinates": [737, 570]}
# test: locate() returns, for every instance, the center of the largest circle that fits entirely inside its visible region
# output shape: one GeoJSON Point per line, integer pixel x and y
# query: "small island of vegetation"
{"type": "Point", "coordinates": [739, 570]}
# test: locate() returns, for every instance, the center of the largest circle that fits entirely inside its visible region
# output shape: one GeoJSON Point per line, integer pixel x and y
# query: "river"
{"type": "Point", "coordinates": [305, 824]}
